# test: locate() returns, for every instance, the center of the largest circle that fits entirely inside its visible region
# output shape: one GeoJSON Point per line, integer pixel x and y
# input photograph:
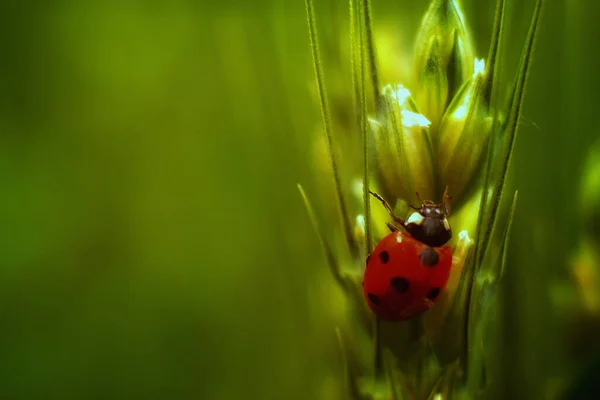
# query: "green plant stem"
{"type": "Point", "coordinates": [365, 136]}
{"type": "Point", "coordinates": [512, 122]}
{"type": "Point", "coordinates": [371, 52]}
{"type": "Point", "coordinates": [332, 261]}
{"type": "Point", "coordinates": [347, 225]}
{"type": "Point", "coordinates": [356, 95]}
{"type": "Point", "coordinates": [493, 61]}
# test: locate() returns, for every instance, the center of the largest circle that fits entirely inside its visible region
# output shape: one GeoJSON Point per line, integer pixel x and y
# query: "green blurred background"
{"type": "Point", "coordinates": [153, 241]}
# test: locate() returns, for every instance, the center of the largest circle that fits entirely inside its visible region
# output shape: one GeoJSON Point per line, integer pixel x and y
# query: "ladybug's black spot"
{"type": "Point", "coordinates": [374, 298]}
{"type": "Point", "coordinates": [433, 293]}
{"type": "Point", "coordinates": [429, 257]}
{"type": "Point", "coordinates": [400, 284]}
{"type": "Point", "coordinates": [385, 257]}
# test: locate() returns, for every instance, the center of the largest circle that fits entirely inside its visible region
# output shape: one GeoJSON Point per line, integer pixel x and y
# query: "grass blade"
{"type": "Point", "coordinates": [355, 69]}
{"type": "Point", "coordinates": [490, 97]}
{"type": "Point", "coordinates": [506, 237]}
{"type": "Point", "coordinates": [365, 137]}
{"type": "Point", "coordinates": [483, 202]}
{"type": "Point", "coordinates": [511, 127]}
{"type": "Point", "coordinates": [493, 61]}
{"type": "Point", "coordinates": [346, 222]}
{"type": "Point", "coordinates": [371, 52]}
{"type": "Point", "coordinates": [332, 261]}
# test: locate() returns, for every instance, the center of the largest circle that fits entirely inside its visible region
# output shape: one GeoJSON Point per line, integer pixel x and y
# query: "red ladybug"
{"type": "Point", "coordinates": [407, 271]}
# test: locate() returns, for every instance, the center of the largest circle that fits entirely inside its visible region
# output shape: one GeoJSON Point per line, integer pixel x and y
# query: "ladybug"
{"type": "Point", "coordinates": [407, 271]}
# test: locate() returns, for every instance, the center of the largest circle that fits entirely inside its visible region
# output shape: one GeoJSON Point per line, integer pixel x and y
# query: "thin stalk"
{"type": "Point", "coordinates": [332, 261]}
{"type": "Point", "coordinates": [513, 118]}
{"type": "Point", "coordinates": [484, 199]}
{"type": "Point", "coordinates": [490, 96]}
{"type": "Point", "coordinates": [371, 52]}
{"type": "Point", "coordinates": [515, 112]}
{"type": "Point", "coordinates": [365, 136]}
{"type": "Point", "coordinates": [347, 225]}
{"type": "Point", "coordinates": [354, 68]}
{"type": "Point", "coordinates": [493, 61]}
{"type": "Point", "coordinates": [507, 233]}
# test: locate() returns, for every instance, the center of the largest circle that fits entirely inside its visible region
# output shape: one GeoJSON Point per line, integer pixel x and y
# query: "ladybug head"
{"type": "Point", "coordinates": [428, 223]}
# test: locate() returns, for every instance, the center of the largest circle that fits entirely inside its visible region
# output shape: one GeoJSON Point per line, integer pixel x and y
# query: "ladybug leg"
{"type": "Point", "coordinates": [392, 227]}
{"type": "Point", "coordinates": [388, 208]}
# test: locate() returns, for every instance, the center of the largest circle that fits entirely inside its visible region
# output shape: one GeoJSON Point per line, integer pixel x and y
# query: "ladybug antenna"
{"type": "Point", "coordinates": [423, 202]}
{"type": "Point", "coordinates": [446, 201]}
{"type": "Point", "coordinates": [388, 208]}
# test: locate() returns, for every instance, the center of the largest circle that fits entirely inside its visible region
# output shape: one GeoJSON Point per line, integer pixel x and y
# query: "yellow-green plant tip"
{"type": "Point", "coordinates": [330, 256]}
{"type": "Point", "coordinates": [443, 44]}
{"type": "Point", "coordinates": [463, 137]}
{"type": "Point", "coordinates": [403, 147]}
{"type": "Point", "coordinates": [345, 217]}
{"type": "Point", "coordinates": [511, 125]}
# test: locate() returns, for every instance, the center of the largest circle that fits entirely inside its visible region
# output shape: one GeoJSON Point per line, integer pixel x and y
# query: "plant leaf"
{"type": "Point", "coordinates": [493, 61]}
{"type": "Point", "coordinates": [490, 95]}
{"type": "Point", "coordinates": [355, 69]}
{"type": "Point", "coordinates": [346, 221]}
{"type": "Point", "coordinates": [365, 132]}
{"type": "Point", "coordinates": [511, 126]}
{"type": "Point", "coordinates": [371, 52]}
